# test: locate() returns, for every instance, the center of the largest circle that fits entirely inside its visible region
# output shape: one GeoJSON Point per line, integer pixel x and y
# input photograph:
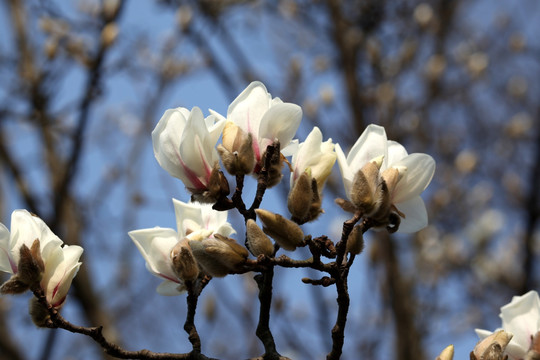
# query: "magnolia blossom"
{"type": "Point", "coordinates": [61, 262]}
{"type": "Point", "coordinates": [521, 317]}
{"type": "Point", "coordinates": [184, 145]}
{"type": "Point", "coordinates": [312, 155]}
{"type": "Point", "coordinates": [406, 175]}
{"type": "Point", "coordinates": [194, 221]}
{"type": "Point", "coordinates": [267, 119]}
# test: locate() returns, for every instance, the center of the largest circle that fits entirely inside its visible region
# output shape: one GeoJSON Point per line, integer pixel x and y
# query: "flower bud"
{"type": "Point", "coordinates": [346, 205]}
{"type": "Point", "coordinates": [492, 347]}
{"type": "Point", "coordinates": [447, 353]}
{"type": "Point", "coordinates": [300, 197]}
{"type": "Point", "coordinates": [534, 352]}
{"type": "Point", "coordinates": [285, 232]}
{"type": "Point", "coordinates": [236, 152]}
{"type": "Point", "coordinates": [218, 256]}
{"type": "Point", "coordinates": [39, 313]}
{"type": "Point", "coordinates": [184, 264]}
{"type": "Point", "coordinates": [31, 265]}
{"type": "Point", "coordinates": [316, 202]}
{"type": "Point", "coordinates": [355, 241]}
{"type": "Point", "coordinates": [257, 241]}
{"type": "Point", "coordinates": [218, 187]}
{"type": "Point", "coordinates": [365, 188]}
{"type": "Point", "coordinates": [109, 34]}
{"type": "Point", "coordinates": [14, 286]}
{"type": "Point", "coordinates": [276, 165]}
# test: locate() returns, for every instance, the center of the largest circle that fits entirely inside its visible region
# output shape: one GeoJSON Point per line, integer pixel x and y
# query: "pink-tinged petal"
{"type": "Point", "coordinates": [170, 288]}
{"type": "Point", "coordinates": [155, 246]}
{"type": "Point", "coordinates": [415, 215]}
{"type": "Point", "coordinates": [280, 122]}
{"type": "Point", "coordinates": [60, 269]}
{"type": "Point", "coordinates": [249, 107]}
{"type": "Point", "coordinates": [396, 152]}
{"type": "Point", "coordinates": [6, 264]}
{"type": "Point", "coordinates": [420, 170]}
{"type": "Point", "coordinates": [370, 145]}
{"type": "Point", "coordinates": [166, 141]}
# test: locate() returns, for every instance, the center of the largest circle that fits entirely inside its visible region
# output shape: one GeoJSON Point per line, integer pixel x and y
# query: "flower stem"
{"type": "Point", "coordinates": [189, 325]}
{"type": "Point", "coordinates": [264, 282]}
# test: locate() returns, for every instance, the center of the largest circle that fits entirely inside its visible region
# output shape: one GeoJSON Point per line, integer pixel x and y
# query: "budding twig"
{"type": "Point", "coordinates": [56, 321]}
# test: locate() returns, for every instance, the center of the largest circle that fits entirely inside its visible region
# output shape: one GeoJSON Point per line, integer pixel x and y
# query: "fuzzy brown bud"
{"type": "Point", "coordinates": [14, 286]}
{"type": "Point", "coordinates": [184, 264]}
{"type": "Point", "coordinates": [31, 265]}
{"type": "Point", "coordinates": [285, 232]}
{"type": "Point", "coordinates": [447, 353]}
{"type": "Point", "coordinates": [355, 241]}
{"type": "Point", "coordinates": [300, 197]}
{"type": "Point", "coordinates": [109, 34]}
{"type": "Point", "coordinates": [218, 256]}
{"type": "Point", "coordinates": [534, 352]}
{"type": "Point", "coordinates": [365, 186]}
{"type": "Point", "coordinates": [218, 187]}
{"type": "Point", "coordinates": [257, 241]}
{"type": "Point", "coordinates": [39, 313]}
{"type": "Point", "coordinates": [236, 152]}
{"type": "Point", "coordinates": [345, 205]}
{"type": "Point", "coordinates": [275, 165]}
{"type": "Point", "coordinates": [492, 347]}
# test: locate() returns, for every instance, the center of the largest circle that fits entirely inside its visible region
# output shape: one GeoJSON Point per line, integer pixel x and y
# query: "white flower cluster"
{"type": "Point", "coordinates": [376, 170]}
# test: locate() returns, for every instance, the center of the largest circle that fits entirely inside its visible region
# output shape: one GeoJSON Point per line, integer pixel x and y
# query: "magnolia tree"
{"type": "Point", "coordinates": [382, 184]}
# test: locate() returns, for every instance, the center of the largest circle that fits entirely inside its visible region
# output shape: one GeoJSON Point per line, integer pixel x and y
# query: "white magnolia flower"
{"type": "Point", "coordinates": [314, 155]}
{"type": "Point", "coordinates": [61, 262]}
{"type": "Point", "coordinates": [184, 145]}
{"type": "Point", "coordinates": [406, 175]}
{"type": "Point", "coordinates": [370, 145]}
{"type": "Point", "coordinates": [413, 174]}
{"type": "Point", "coordinates": [194, 221]}
{"type": "Point", "coordinates": [266, 119]}
{"type": "Point", "coordinates": [521, 317]}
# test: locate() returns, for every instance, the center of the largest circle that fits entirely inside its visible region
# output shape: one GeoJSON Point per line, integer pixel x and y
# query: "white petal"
{"type": "Point", "coordinates": [155, 246]}
{"type": "Point", "coordinates": [482, 334]}
{"type": "Point", "coordinates": [25, 228]}
{"type": "Point", "coordinates": [280, 122]}
{"type": "Point", "coordinates": [166, 141]}
{"type": "Point", "coordinates": [396, 152]}
{"type": "Point", "coordinates": [169, 288]}
{"type": "Point", "coordinates": [5, 260]}
{"type": "Point", "coordinates": [60, 268]}
{"type": "Point", "coordinates": [371, 144]}
{"type": "Point", "coordinates": [521, 317]}
{"type": "Point", "coordinates": [249, 107]}
{"type": "Point", "coordinates": [420, 170]}
{"type": "Point", "coordinates": [190, 212]}
{"type": "Point", "coordinates": [290, 149]}
{"type": "Point", "coordinates": [346, 173]}
{"type": "Point", "coordinates": [415, 215]}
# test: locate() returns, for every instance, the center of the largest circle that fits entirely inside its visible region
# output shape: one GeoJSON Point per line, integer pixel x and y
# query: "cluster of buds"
{"type": "Point", "coordinates": [37, 260]}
